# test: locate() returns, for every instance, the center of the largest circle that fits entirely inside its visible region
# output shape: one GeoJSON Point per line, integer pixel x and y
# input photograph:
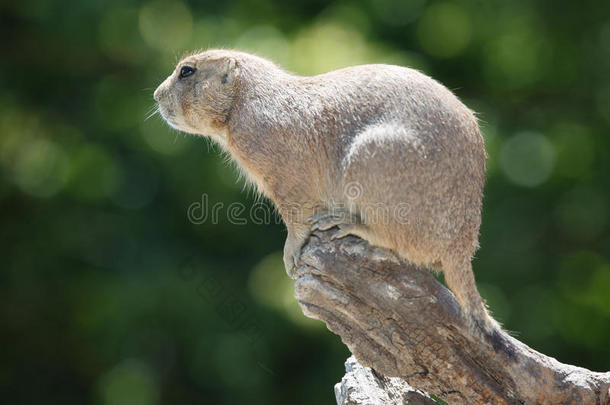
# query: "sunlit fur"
{"type": "Point", "coordinates": [402, 137]}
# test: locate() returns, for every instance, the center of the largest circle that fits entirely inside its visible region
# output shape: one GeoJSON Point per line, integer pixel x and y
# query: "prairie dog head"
{"type": "Point", "coordinates": [198, 96]}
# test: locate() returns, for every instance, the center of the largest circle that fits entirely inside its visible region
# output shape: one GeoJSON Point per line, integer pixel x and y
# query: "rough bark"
{"type": "Point", "coordinates": [400, 321]}
{"type": "Point", "coordinates": [363, 386]}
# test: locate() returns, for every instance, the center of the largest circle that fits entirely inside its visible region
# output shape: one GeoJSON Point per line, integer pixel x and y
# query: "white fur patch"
{"type": "Point", "coordinates": [380, 134]}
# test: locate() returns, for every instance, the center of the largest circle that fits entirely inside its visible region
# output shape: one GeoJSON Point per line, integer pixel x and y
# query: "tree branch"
{"type": "Point", "coordinates": [400, 321]}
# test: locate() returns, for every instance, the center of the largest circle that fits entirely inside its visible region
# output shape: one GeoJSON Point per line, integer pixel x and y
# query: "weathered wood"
{"type": "Point", "coordinates": [400, 321]}
{"type": "Point", "coordinates": [363, 386]}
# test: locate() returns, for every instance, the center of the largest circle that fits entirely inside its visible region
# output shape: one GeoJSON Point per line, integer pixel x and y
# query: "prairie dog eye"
{"type": "Point", "coordinates": [186, 71]}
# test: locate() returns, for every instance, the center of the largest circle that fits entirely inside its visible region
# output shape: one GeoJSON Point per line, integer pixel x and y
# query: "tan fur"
{"type": "Point", "coordinates": [389, 145]}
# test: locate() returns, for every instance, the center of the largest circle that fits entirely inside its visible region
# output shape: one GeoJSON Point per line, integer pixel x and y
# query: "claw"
{"type": "Point", "coordinates": [327, 219]}
{"type": "Point", "coordinates": [344, 230]}
{"type": "Point", "coordinates": [347, 223]}
{"type": "Point", "coordinates": [295, 261]}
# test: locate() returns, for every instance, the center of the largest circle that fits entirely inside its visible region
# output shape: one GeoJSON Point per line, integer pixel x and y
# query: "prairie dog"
{"type": "Point", "coordinates": [381, 152]}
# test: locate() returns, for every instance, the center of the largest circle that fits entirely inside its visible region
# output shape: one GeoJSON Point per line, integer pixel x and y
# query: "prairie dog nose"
{"type": "Point", "coordinates": [157, 94]}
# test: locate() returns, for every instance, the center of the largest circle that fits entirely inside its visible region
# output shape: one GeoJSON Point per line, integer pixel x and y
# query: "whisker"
{"type": "Point", "coordinates": [151, 108]}
{"type": "Point", "coordinates": [151, 114]}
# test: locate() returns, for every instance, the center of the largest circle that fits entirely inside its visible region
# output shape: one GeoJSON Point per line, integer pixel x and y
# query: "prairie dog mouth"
{"type": "Point", "coordinates": [168, 115]}
{"type": "Point", "coordinates": [168, 110]}
{"type": "Point", "coordinates": [175, 119]}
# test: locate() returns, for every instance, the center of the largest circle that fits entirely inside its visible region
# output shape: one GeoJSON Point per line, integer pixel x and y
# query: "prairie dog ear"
{"type": "Point", "coordinates": [229, 71]}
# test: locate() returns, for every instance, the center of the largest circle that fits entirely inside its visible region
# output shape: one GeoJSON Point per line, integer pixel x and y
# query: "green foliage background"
{"type": "Point", "coordinates": [110, 295]}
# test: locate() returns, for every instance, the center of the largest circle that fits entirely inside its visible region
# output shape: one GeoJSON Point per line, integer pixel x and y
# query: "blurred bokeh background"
{"type": "Point", "coordinates": [111, 294]}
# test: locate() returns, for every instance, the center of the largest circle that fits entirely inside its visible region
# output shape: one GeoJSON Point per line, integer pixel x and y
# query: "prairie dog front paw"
{"type": "Point", "coordinates": [292, 249]}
